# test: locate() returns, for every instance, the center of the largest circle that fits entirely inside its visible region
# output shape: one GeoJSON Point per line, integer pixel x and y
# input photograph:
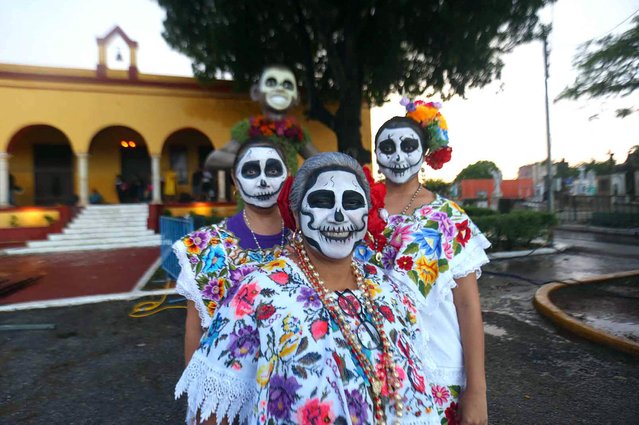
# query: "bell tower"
{"type": "Point", "coordinates": [103, 45]}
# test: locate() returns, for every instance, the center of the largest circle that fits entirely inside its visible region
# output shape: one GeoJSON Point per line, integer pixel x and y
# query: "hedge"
{"type": "Point", "coordinates": [516, 229]}
{"type": "Point", "coordinates": [615, 219]}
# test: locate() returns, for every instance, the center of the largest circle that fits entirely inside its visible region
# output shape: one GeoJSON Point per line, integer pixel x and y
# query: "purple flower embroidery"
{"type": "Point", "coordinates": [194, 259]}
{"type": "Point", "coordinates": [201, 238]}
{"type": "Point", "coordinates": [281, 396]}
{"type": "Point", "coordinates": [394, 220]}
{"type": "Point", "coordinates": [388, 257]}
{"type": "Point", "coordinates": [309, 297]}
{"type": "Point", "coordinates": [238, 274]}
{"type": "Point", "coordinates": [356, 407]}
{"type": "Point", "coordinates": [243, 342]}
{"type": "Point", "coordinates": [446, 226]}
{"type": "Point", "coordinates": [214, 289]}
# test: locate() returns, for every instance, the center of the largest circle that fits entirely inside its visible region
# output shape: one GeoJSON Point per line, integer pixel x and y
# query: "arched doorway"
{"type": "Point", "coordinates": [41, 165]}
{"type": "Point", "coordinates": [119, 165]}
{"type": "Point", "coordinates": [183, 154]}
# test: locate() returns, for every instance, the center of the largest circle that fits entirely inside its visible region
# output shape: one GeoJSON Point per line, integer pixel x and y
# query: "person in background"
{"type": "Point", "coordinates": [196, 184]}
{"type": "Point", "coordinates": [215, 257]}
{"type": "Point", "coordinates": [95, 197]}
{"type": "Point", "coordinates": [170, 185]}
{"type": "Point", "coordinates": [435, 249]}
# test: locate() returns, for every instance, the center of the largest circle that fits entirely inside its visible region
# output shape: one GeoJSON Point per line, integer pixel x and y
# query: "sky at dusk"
{"type": "Point", "coordinates": [503, 122]}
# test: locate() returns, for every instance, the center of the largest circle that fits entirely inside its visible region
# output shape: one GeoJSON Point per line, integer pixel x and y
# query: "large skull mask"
{"type": "Point", "coordinates": [277, 89]}
{"type": "Point", "coordinates": [334, 214]}
{"type": "Point", "coordinates": [260, 174]}
{"type": "Point", "coordinates": [399, 153]}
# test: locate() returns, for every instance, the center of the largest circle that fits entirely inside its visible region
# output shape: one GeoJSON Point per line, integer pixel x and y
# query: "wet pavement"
{"type": "Point", "coordinates": [610, 307]}
{"type": "Point", "coordinates": [100, 366]}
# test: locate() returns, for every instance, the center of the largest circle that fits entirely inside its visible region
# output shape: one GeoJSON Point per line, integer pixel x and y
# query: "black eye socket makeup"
{"type": "Point", "coordinates": [409, 145]}
{"type": "Point", "coordinates": [352, 200]}
{"type": "Point", "coordinates": [273, 168]}
{"type": "Point", "coordinates": [321, 199]}
{"type": "Point", "coordinates": [270, 82]}
{"type": "Point", "coordinates": [387, 146]}
{"type": "Point", "coordinates": [288, 85]}
{"type": "Point", "coordinates": [251, 169]}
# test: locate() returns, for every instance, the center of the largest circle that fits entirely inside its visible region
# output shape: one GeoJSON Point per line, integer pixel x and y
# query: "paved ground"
{"type": "Point", "coordinates": [78, 273]}
{"type": "Point", "coordinates": [100, 366]}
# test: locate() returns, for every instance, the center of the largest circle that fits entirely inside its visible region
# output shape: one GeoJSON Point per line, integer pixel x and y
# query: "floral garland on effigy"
{"type": "Point", "coordinates": [286, 133]}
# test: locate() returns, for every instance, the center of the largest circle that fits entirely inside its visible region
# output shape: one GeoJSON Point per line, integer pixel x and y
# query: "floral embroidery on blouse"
{"type": "Point", "coordinates": [275, 334]}
{"type": "Point", "coordinates": [421, 245]}
{"type": "Point", "coordinates": [217, 262]}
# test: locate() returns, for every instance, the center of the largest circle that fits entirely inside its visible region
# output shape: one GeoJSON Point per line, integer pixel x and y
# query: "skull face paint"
{"type": "Point", "coordinates": [260, 174]}
{"type": "Point", "coordinates": [399, 153]}
{"type": "Point", "coordinates": [334, 214]}
{"type": "Point", "coordinates": [278, 88]}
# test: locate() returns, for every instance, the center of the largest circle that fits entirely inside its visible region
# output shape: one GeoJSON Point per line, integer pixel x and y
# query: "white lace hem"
{"type": "Point", "coordinates": [187, 286]}
{"type": "Point", "coordinates": [214, 391]}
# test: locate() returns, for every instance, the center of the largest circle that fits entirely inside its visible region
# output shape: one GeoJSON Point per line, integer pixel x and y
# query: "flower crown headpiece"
{"type": "Point", "coordinates": [427, 115]}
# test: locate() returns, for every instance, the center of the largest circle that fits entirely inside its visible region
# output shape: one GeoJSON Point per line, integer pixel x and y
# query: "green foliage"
{"type": "Point", "coordinates": [473, 211]}
{"type": "Point", "coordinates": [478, 170]}
{"type": "Point", "coordinates": [352, 53]}
{"type": "Point", "coordinates": [607, 67]}
{"type": "Point", "coordinates": [615, 219]}
{"type": "Point", "coordinates": [515, 230]}
{"type": "Point", "coordinates": [203, 220]}
{"type": "Point", "coordinates": [14, 221]}
{"type": "Point", "coordinates": [50, 220]}
{"type": "Point", "coordinates": [438, 186]}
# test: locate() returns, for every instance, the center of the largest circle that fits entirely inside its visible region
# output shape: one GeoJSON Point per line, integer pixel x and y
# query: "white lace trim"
{"type": "Point", "coordinates": [215, 391]}
{"type": "Point", "coordinates": [186, 284]}
{"type": "Point", "coordinates": [449, 376]}
{"type": "Point", "coordinates": [469, 260]}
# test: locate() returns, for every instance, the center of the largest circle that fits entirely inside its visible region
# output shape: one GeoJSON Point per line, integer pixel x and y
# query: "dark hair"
{"type": "Point", "coordinates": [256, 142]}
{"type": "Point", "coordinates": [403, 122]}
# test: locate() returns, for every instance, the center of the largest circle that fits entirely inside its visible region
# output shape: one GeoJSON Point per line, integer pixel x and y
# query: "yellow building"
{"type": "Point", "coordinates": [65, 132]}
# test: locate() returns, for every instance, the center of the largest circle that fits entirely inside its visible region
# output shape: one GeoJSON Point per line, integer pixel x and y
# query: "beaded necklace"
{"type": "Point", "coordinates": [405, 210]}
{"type": "Point", "coordinates": [248, 224]}
{"type": "Point", "coordinates": [388, 372]}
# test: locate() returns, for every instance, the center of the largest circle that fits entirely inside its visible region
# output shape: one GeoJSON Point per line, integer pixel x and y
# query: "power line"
{"type": "Point", "coordinates": [618, 25]}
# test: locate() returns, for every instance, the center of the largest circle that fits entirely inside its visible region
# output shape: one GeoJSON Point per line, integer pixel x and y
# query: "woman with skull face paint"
{"type": "Point", "coordinates": [437, 251]}
{"type": "Point", "coordinates": [314, 337]}
{"type": "Point", "coordinates": [214, 258]}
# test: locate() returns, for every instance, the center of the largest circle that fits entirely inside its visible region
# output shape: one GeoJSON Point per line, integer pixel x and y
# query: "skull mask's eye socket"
{"type": "Point", "coordinates": [270, 82]}
{"type": "Point", "coordinates": [352, 200]}
{"type": "Point", "coordinates": [251, 170]}
{"type": "Point", "coordinates": [273, 168]}
{"type": "Point", "coordinates": [409, 145]}
{"type": "Point", "coordinates": [288, 85]}
{"type": "Point", "coordinates": [387, 147]}
{"type": "Point", "coordinates": [321, 199]}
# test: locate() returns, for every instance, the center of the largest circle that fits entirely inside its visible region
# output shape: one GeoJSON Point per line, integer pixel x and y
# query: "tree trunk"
{"type": "Point", "coordinates": [347, 128]}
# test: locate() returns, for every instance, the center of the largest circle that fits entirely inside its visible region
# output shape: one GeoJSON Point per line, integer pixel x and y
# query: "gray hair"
{"type": "Point", "coordinates": [315, 165]}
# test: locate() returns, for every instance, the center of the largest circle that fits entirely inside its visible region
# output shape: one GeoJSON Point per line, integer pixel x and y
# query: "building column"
{"type": "Point", "coordinates": [155, 176]}
{"type": "Point", "coordinates": [83, 178]}
{"type": "Point", "coordinates": [4, 179]}
{"type": "Point", "coordinates": [221, 185]}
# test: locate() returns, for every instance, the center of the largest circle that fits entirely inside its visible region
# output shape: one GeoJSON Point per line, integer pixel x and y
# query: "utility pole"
{"type": "Point", "coordinates": [545, 30]}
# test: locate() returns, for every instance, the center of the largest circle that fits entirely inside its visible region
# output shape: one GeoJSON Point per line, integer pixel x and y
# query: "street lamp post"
{"type": "Point", "coordinates": [545, 30]}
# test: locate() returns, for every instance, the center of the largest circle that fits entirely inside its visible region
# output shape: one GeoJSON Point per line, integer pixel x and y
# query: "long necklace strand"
{"type": "Point", "coordinates": [412, 198]}
{"type": "Point", "coordinates": [248, 224]}
{"type": "Point", "coordinates": [389, 375]}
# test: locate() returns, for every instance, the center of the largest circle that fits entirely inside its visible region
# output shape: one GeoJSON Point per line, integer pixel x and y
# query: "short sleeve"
{"type": "Point", "coordinates": [204, 258]}
{"type": "Point", "coordinates": [220, 378]}
{"type": "Point", "coordinates": [468, 245]}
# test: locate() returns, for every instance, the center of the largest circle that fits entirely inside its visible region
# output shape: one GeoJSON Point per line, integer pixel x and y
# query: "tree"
{"type": "Point", "coordinates": [351, 53]}
{"type": "Point", "coordinates": [478, 170]}
{"type": "Point", "coordinates": [608, 66]}
{"type": "Point", "coordinates": [438, 186]}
